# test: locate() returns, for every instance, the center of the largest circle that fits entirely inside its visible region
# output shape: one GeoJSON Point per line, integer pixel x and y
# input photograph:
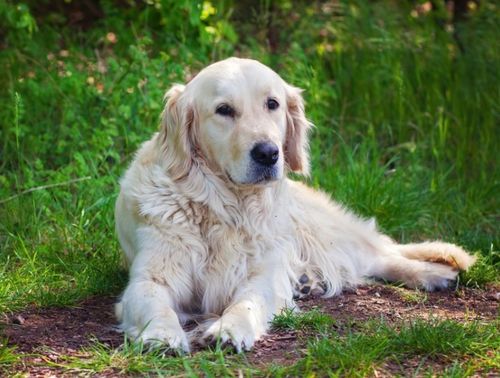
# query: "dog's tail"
{"type": "Point", "coordinates": [438, 252]}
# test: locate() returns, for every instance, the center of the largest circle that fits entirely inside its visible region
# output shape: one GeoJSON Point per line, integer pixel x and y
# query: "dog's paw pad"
{"type": "Point", "coordinates": [308, 284]}
{"type": "Point", "coordinates": [304, 279]}
{"type": "Point", "coordinates": [305, 289]}
{"type": "Point", "coordinates": [319, 290]}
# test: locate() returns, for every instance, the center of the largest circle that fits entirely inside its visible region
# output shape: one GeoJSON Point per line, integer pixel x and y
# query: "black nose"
{"type": "Point", "coordinates": [265, 153]}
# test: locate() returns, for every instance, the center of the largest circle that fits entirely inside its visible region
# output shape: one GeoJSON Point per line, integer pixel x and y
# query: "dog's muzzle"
{"type": "Point", "coordinates": [264, 156]}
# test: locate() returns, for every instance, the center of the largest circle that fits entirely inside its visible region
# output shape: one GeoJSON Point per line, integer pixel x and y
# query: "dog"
{"type": "Point", "coordinates": [213, 230]}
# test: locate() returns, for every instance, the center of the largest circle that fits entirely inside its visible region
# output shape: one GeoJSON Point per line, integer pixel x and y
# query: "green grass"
{"type": "Point", "coordinates": [406, 126]}
{"type": "Point", "coordinates": [359, 352]}
{"type": "Point", "coordinates": [405, 130]}
{"type": "Point", "coordinates": [7, 354]}
{"type": "Point", "coordinates": [313, 320]}
{"type": "Point", "coordinates": [133, 359]}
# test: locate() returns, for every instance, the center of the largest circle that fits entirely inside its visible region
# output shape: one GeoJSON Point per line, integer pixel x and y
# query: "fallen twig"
{"type": "Point", "coordinates": [43, 187]}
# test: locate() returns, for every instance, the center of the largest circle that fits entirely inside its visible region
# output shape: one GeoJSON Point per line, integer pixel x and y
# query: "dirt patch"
{"type": "Point", "coordinates": [52, 332]}
{"type": "Point", "coordinates": [43, 335]}
{"type": "Point", "coordinates": [396, 304]}
{"type": "Point", "coordinates": [64, 330]}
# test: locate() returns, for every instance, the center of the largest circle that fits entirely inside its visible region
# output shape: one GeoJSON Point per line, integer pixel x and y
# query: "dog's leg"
{"type": "Point", "coordinates": [242, 324]}
{"type": "Point", "coordinates": [438, 252]}
{"type": "Point", "coordinates": [248, 317]}
{"type": "Point", "coordinates": [146, 314]}
{"type": "Point", "coordinates": [430, 265]}
{"type": "Point", "coordinates": [343, 249]}
{"type": "Point", "coordinates": [160, 279]}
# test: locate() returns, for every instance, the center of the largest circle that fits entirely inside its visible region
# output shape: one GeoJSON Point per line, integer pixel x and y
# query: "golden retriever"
{"type": "Point", "coordinates": [213, 229]}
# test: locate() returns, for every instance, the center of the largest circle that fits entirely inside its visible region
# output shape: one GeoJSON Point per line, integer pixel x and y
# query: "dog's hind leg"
{"type": "Point", "coordinates": [430, 265]}
{"type": "Point", "coordinates": [342, 249]}
{"type": "Point", "coordinates": [438, 252]}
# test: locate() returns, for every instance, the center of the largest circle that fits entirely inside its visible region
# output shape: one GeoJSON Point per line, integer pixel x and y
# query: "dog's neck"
{"type": "Point", "coordinates": [229, 202]}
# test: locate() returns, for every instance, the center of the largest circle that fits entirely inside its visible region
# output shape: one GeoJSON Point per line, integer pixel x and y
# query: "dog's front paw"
{"type": "Point", "coordinates": [232, 331]}
{"type": "Point", "coordinates": [157, 336]}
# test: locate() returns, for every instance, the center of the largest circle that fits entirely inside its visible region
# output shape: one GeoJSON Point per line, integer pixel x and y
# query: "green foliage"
{"type": "Point", "coordinates": [406, 108]}
{"type": "Point", "coordinates": [420, 338]}
{"type": "Point", "coordinates": [484, 271]}
{"type": "Point", "coordinates": [7, 354]}
{"type": "Point", "coordinates": [395, 101]}
{"type": "Point", "coordinates": [16, 21]}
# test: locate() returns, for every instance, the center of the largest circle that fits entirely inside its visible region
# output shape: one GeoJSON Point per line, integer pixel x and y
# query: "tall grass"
{"type": "Point", "coordinates": [406, 123]}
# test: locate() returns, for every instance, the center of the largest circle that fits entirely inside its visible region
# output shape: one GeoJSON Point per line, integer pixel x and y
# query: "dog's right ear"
{"type": "Point", "coordinates": [178, 132]}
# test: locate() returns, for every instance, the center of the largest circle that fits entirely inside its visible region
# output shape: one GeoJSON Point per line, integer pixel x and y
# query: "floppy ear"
{"type": "Point", "coordinates": [178, 132]}
{"type": "Point", "coordinates": [296, 143]}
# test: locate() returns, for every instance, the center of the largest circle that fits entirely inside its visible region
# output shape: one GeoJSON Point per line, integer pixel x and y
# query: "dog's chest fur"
{"type": "Point", "coordinates": [235, 253]}
{"type": "Point", "coordinates": [228, 245]}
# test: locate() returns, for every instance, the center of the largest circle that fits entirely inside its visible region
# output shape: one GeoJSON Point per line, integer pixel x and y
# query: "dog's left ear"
{"type": "Point", "coordinates": [296, 143]}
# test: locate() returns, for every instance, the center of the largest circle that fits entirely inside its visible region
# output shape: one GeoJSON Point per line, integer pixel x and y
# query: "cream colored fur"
{"type": "Point", "coordinates": [206, 237]}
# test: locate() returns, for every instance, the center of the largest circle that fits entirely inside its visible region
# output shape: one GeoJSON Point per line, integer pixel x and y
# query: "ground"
{"type": "Point", "coordinates": [43, 335]}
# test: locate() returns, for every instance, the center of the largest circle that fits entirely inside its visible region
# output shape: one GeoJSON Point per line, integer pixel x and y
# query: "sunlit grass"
{"type": "Point", "coordinates": [313, 320]}
{"type": "Point", "coordinates": [359, 353]}
{"type": "Point", "coordinates": [134, 358]}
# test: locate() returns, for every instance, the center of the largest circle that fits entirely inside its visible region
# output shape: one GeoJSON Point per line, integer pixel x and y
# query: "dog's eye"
{"type": "Point", "coordinates": [272, 104]}
{"type": "Point", "coordinates": [225, 110]}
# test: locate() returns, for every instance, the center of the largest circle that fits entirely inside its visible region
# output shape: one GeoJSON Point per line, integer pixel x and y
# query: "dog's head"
{"type": "Point", "coordinates": [240, 119]}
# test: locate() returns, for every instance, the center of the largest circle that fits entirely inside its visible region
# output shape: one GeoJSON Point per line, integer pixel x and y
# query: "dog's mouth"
{"type": "Point", "coordinates": [261, 182]}
{"type": "Point", "coordinates": [264, 178]}
{"type": "Point", "coordinates": [261, 178]}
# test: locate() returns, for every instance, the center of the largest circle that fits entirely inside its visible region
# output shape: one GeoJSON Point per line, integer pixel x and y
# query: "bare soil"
{"type": "Point", "coordinates": [43, 335]}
